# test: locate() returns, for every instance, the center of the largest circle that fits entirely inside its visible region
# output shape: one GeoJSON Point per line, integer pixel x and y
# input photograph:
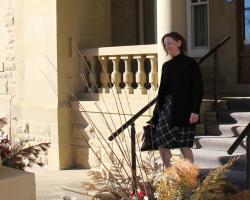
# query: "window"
{"type": "Point", "coordinates": [246, 15]}
{"type": "Point", "coordinates": [197, 21]}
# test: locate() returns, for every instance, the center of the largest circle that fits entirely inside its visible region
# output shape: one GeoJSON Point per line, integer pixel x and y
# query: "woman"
{"type": "Point", "coordinates": [178, 102]}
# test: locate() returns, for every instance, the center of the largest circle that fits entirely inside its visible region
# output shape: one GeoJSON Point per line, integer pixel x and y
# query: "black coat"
{"type": "Point", "coordinates": [181, 78]}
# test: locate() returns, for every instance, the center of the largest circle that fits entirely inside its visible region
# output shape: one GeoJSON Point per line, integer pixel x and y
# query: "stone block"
{"type": "Point", "coordinates": [17, 184]}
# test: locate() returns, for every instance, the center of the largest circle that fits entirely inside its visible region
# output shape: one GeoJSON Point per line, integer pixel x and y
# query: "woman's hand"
{"type": "Point", "coordinates": [194, 118]}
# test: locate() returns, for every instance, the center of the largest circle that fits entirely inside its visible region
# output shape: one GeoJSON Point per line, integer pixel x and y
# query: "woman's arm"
{"type": "Point", "coordinates": [162, 88]}
{"type": "Point", "coordinates": [197, 86]}
{"type": "Point", "coordinates": [160, 96]}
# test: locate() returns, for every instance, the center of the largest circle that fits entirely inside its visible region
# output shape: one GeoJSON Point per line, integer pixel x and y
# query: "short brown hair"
{"type": "Point", "coordinates": [177, 37]}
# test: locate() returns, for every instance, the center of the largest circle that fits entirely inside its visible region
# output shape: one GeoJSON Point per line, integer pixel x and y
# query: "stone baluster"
{"type": "Point", "coordinates": [104, 77]}
{"type": "Point", "coordinates": [92, 75]}
{"type": "Point", "coordinates": [116, 75]}
{"type": "Point", "coordinates": [128, 75]}
{"type": "Point", "coordinates": [153, 76]}
{"type": "Point", "coordinates": [140, 75]}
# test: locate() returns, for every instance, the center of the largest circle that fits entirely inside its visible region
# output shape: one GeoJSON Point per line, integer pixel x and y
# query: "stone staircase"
{"type": "Point", "coordinates": [211, 143]}
{"type": "Point", "coordinates": [210, 149]}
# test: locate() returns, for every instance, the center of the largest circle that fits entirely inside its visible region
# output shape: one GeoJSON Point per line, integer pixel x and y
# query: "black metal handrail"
{"type": "Point", "coordinates": [131, 121]}
{"type": "Point", "coordinates": [215, 48]}
{"type": "Point", "coordinates": [232, 148]}
{"type": "Point", "coordinates": [239, 139]}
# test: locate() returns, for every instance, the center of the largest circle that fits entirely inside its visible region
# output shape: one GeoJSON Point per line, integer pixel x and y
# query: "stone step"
{"type": "Point", "coordinates": [208, 79]}
{"type": "Point", "coordinates": [226, 117]}
{"type": "Point", "coordinates": [213, 159]}
{"type": "Point", "coordinates": [218, 143]}
{"type": "Point", "coordinates": [224, 129]}
{"type": "Point", "coordinates": [208, 117]}
{"type": "Point", "coordinates": [236, 90]}
{"type": "Point", "coordinates": [200, 129]}
{"type": "Point", "coordinates": [209, 88]}
{"type": "Point", "coordinates": [234, 117]}
{"type": "Point", "coordinates": [236, 177]}
{"type": "Point", "coordinates": [232, 90]}
{"type": "Point", "coordinates": [238, 103]}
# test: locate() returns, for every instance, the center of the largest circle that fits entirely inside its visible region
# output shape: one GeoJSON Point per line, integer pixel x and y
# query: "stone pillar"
{"type": "Point", "coordinates": [153, 75]}
{"type": "Point", "coordinates": [141, 75]}
{"type": "Point", "coordinates": [164, 25]}
{"type": "Point", "coordinates": [128, 75]}
{"type": "Point", "coordinates": [116, 75]}
{"type": "Point", "coordinates": [92, 75]}
{"type": "Point", "coordinates": [104, 77]}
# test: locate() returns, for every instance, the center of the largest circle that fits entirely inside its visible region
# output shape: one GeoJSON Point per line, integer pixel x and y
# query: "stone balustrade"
{"type": "Point", "coordinates": [131, 69]}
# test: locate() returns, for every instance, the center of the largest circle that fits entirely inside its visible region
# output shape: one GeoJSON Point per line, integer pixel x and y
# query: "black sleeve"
{"type": "Point", "coordinates": [197, 85]}
{"type": "Point", "coordinates": [162, 88]}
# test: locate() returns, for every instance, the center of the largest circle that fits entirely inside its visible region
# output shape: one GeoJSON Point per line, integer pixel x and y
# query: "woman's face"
{"type": "Point", "coordinates": [172, 46]}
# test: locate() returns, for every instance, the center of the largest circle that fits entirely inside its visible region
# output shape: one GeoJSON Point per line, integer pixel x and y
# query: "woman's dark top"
{"type": "Point", "coordinates": [181, 78]}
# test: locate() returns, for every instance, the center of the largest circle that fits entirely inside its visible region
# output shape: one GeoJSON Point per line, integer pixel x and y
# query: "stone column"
{"type": "Point", "coordinates": [128, 75]}
{"type": "Point", "coordinates": [116, 77]}
{"type": "Point", "coordinates": [164, 25]}
{"type": "Point", "coordinates": [140, 75]}
{"type": "Point", "coordinates": [92, 75]}
{"type": "Point", "coordinates": [153, 75]}
{"type": "Point", "coordinates": [171, 16]}
{"type": "Point", "coordinates": [104, 78]}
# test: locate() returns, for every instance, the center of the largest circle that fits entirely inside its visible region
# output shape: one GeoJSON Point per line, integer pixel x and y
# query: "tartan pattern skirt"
{"type": "Point", "coordinates": [172, 137]}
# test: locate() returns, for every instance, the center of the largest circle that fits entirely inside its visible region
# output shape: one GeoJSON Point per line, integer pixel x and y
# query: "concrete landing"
{"type": "Point", "coordinates": [49, 181]}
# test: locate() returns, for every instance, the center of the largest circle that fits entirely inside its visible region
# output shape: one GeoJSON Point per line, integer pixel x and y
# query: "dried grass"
{"type": "Point", "coordinates": [178, 181]}
{"type": "Point", "coordinates": [184, 170]}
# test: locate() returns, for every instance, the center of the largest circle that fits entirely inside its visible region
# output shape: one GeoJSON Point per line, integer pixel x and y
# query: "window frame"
{"type": "Point", "coordinates": [242, 26]}
{"type": "Point", "coordinates": [195, 51]}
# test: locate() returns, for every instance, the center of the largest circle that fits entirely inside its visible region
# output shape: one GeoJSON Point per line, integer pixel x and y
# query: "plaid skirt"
{"type": "Point", "coordinates": [169, 137]}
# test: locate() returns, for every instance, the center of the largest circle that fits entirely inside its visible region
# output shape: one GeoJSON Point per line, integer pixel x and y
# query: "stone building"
{"type": "Point", "coordinates": [45, 43]}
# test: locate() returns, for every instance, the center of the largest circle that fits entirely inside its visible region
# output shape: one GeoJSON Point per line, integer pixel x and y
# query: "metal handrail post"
{"type": "Point", "coordinates": [232, 148]}
{"type": "Point", "coordinates": [133, 157]}
{"type": "Point", "coordinates": [248, 161]}
{"type": "Point", "coordinates": [215, 85]}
